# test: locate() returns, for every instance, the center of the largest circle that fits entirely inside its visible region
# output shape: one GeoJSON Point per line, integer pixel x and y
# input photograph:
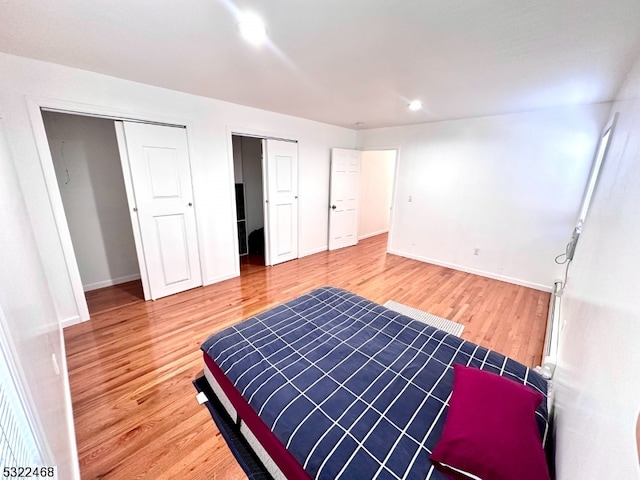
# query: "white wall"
{"type": "Point", "coordinates": [376, 190]}
{"type": "Point", "coordinates": [252, 175]}
{"type": "Point", "coordinates": [210, 123]}
{"type": "Point", "coordinates": [31, 322]}
{"type": "Point", "coordinates": [89, 173]}
{"type": "Point", "coordinates": [509, 185]}
{"type": "Point", "coordinates": [598, 377]}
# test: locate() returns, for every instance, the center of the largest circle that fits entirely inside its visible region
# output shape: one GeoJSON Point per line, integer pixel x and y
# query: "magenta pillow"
{"type": "Point", "coordinates": [491, 430]}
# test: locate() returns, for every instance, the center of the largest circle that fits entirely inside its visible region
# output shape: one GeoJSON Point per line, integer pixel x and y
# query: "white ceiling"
{"type": "Point", "coordinates": [346, 61]}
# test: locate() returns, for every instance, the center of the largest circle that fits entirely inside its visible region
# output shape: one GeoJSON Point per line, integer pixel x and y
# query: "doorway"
{"type": "Point", "coordinates": [360, 195]}
{"type": "Point", "coordinates": [249, 181]}
{"type": "Point", "coordinates": [88, 170]}
{"type": "Point", "coordinates": [266, 182]}
{"type": "Point", "coordinates": [376, 192]}
{"type": "Point", "coordinates": [127, 199]}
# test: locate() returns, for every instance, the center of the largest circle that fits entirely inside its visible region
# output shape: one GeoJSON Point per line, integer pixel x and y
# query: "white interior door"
{"type": "Point", "coordinates": [281, 203]}
{"type": "Point", "coordinates": [343, 197]}
{"type": "Point", "coordinates": [160, 197]}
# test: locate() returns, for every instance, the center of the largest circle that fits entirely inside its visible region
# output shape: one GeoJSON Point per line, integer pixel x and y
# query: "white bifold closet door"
{"type": "Point", "coordinates": [281, 203]}
{"type": "Point", "coordinates": [158, 181]}
{"type": "Point", "coordinates": [343, 197]}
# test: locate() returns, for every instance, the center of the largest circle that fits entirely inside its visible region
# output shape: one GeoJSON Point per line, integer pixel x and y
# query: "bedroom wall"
{"type": "Point", "coordinates": [29, 319]}
{"type": "Point", "coordinates": [508, 185]}
{"type": "Point", "coordinates": [597, 380]}
{"type": "Point", "coordinates": [376, 190]}
{"type": "Point", "coordinates": [89, 173]}
{"type": "Point", "coordinates": [210, 121]}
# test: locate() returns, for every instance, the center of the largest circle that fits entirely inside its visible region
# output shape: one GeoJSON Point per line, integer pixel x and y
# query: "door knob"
{"type": "Point", "coordinates": [333, 207]}
{"type": "Point", "coordinates": [190, 204]}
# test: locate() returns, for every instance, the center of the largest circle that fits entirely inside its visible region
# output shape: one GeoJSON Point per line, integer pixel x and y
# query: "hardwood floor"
{"type": "Point", "coordinates": [131, 366]}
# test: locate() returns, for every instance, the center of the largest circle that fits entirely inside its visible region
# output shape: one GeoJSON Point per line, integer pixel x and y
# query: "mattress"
{"type": "Point", "coordinates": [332, 385]}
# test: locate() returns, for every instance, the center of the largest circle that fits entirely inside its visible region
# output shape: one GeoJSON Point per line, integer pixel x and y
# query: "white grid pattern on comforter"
{"type": "Point", "coordinates": [353, 389]}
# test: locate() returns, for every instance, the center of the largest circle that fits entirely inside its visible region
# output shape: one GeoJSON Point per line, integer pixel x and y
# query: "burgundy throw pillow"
{"type": "Point", "coordinates": [490, 431]}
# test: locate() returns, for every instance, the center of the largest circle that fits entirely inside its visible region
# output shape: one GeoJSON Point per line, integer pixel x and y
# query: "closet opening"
{"type": "Point", "coordinates": [266, 182]}
{"type": "Point", "coordinates": [90, 179]}
{"type": "Point", "coordinates": [250, 200]}
{"type": "Point", "coordinates": [121, 191]}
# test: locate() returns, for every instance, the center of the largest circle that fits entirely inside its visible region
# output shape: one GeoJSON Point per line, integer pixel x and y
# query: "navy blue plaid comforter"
{"type": "Point", "coordinates": [351, 388]}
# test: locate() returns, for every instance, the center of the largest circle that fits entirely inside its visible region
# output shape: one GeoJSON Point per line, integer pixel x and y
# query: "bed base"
{"type": "Point", "coordinates": [232, 432]}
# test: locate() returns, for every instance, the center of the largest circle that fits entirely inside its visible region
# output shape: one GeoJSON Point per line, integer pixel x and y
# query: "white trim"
{"type": "Point", "coordinates": [263, 134]}
{"type": "Point", "coordinates": [234, 210]}
{"type": "Point", "coordinates": [373, 234]}
{"type": "Point", "coordinates": [482, 273]}
{"type": "Point", "coordinates": [95, 110]}
{"type": "Point", "coordinates": [221, 278]}
{"type": "Point", "coordinates": [70, 321]}
{"type": "Point", "coordinates": [324, 248]}
{"type": "Point", "coordinates": [57, 207]}
{"type": "Point", "coordinates": [265, 205]}
{"type": "Point", "coordinates": [394, 199]}
{"type": "Point", "coordinates": [71, 429]}
{"type": "Point", "coordinates": [110, 282]}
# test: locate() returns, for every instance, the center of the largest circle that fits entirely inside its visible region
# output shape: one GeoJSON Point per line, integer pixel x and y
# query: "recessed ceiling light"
{"type": "Point", "coordinates": [252, 28]}
{"type": "Point", "coordinates": [415, 105]}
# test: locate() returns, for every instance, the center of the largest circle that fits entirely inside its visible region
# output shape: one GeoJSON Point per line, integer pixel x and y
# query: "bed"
{"type": "Point", "coordinates": [331, 385]}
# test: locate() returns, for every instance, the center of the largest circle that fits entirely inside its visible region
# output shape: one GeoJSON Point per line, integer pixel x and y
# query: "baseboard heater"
{"type": "Point", "coordinates": [551, 338]}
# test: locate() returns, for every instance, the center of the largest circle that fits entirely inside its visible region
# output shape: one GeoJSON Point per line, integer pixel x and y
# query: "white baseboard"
{"type": "Point", "coordinates": [373, 234]}
{"type": "Point", "coordinates": [482, 273]}
{"type": "Point", "coordinates": [110, 282]}
{"type": "Point", "coordinates": [221, 278]}
{"type": "Point", "coordinates": [70, 321]}
{"type": "Point", "coordinates": [314, 251]}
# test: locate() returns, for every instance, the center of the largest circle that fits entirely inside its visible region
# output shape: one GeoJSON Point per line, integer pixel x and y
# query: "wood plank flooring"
{"type": "Point", "coordinates": [131, 366]}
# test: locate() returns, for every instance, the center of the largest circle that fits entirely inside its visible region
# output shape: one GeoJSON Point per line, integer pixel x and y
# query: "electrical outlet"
{"type": "Point", "coordinates": [410, 198]}
{"type": "Point", "coordinates": [476, 251]}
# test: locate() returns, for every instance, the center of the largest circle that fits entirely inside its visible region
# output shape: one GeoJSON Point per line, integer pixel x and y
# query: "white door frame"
{"type": "Point", "coordinates": [35, 105]}
{"type": "Point", "coordinates": [247, 132]}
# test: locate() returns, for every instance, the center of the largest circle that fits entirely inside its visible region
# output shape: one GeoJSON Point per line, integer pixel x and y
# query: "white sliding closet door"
{"type": "Point", "coordinates": [161, 202]}
{"type": "Point", "coordinates": [281, 206]}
